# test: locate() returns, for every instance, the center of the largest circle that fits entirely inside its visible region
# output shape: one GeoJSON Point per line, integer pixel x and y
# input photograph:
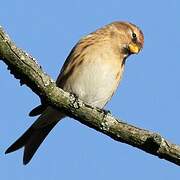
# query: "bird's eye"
{"type": "Point", "coordinates": [134, 37]}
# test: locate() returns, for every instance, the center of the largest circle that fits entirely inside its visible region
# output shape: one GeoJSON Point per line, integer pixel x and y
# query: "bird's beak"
{"type": "Point", "coordinates": [134, 48]}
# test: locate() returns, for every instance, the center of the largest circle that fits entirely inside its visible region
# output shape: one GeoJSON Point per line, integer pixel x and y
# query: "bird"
{"type": "Point", "coordinates": [92, 71]}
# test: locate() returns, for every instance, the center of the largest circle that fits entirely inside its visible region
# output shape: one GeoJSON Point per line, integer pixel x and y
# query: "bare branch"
{"type": "Point", "coordinates": [26, 69]}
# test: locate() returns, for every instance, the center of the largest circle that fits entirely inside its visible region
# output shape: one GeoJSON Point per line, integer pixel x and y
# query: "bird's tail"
{"type": "Point", "coordinates": [35, 135]}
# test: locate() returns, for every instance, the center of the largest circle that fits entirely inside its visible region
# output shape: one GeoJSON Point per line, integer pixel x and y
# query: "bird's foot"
{"type": "Point", "coordinates": [106, 112]}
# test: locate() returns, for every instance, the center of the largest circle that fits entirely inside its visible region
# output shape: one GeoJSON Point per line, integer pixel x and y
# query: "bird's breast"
{"type": "Point", "coordinates": [95, 79]}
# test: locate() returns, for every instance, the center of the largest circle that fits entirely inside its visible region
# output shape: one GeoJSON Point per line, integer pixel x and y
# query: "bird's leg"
{"type": "Point", "coordinates": [106, 112]}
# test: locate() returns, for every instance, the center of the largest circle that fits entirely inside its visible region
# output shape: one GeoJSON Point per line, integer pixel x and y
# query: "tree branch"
{"type": "Point", "coordinates": [25, 68]}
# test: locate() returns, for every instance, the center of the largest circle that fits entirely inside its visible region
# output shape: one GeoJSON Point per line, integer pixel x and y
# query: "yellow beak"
{"type": "Point", "coordinates": [134, 48]}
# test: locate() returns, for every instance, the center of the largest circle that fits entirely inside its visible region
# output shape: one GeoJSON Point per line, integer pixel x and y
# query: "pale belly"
{"type": "Point", "coordinates": [94, 83]}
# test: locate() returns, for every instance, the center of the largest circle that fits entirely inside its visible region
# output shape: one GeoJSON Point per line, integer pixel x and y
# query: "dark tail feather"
{"type": "Point", "coordinates": [31, 140]}
{"type": "Point", "coordinates": [20, 142]}
{"type": "Point", "coordinates": [37, 110]}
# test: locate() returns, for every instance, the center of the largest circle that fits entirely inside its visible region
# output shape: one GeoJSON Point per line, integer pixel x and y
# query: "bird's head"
{"type": "Point", "coordinates": [127, 36]}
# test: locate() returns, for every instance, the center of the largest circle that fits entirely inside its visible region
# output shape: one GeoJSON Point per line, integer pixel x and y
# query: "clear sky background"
{"type": "Point", "coordinates": [148, 97]}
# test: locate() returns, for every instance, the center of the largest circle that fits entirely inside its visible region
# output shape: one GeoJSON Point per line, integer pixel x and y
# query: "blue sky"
{"type": "Point", "coordinates": [148, 97]}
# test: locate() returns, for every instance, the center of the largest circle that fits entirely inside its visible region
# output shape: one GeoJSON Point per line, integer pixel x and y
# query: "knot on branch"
{"type": "Point", "coordinates": [152, 143]}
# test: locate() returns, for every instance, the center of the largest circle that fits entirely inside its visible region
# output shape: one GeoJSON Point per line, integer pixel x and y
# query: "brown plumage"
{"type": "Point", "coordinates": [92, 71]}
